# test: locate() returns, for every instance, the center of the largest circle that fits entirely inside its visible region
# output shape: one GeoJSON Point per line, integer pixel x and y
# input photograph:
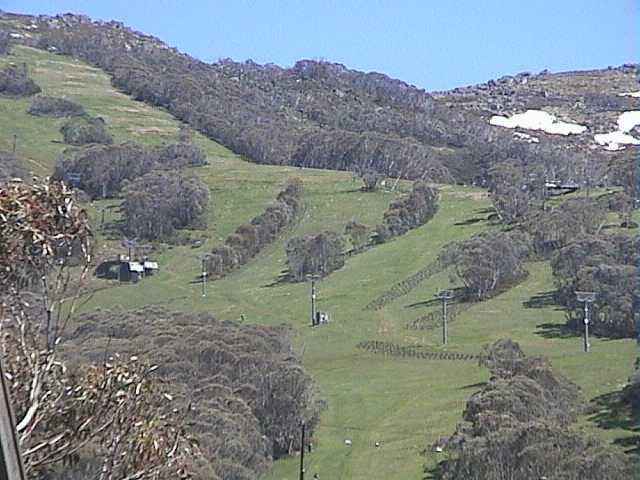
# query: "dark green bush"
{"type": "Point", "coordinates": [15, 81]}
{"type": "Point", "coordinates": [55, 107]}
{"type": "Point", "coordinates": [318, 254]}
{"type": "Point", "coordinates": [10, 167]}
{"type": "Point", "coordinates": [85, 130]}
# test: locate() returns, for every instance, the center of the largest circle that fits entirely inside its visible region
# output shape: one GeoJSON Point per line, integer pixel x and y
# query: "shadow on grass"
{"type": "Point", "coordinates": [436, 471]}
{"type": "Point", "coordinates": [612, 410]}
{"type": "Point", "coordinates": [282, 279]}
{"type": "Point", "coordinates": [555, 330]}
{"type": "Point", "coordinates": [458, 298]}
{"type": "Point", "coordinates": [473, 385]}
{"type": "Point", "coordinates": [471, 221]}
{"type": "Point", "coordinates": [424, 303]}
{"type": "Point", "coordinates": [542, 300]}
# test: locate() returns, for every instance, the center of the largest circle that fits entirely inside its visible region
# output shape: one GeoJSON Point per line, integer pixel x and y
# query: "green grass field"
{"type": "Point", "coordinates": [405, 404]}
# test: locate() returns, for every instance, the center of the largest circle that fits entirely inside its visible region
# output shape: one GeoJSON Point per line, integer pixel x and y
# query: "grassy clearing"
{"type": "Point", "coordinates": [403, 403]}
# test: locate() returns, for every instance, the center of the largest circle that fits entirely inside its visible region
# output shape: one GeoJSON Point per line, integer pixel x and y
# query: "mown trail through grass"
{"type": "Point", "coordinates": [405, 404]}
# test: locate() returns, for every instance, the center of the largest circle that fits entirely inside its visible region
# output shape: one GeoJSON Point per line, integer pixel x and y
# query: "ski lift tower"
{"type": "Point", "coordinates": [313, 278]}
{"type": "Point", "coordinates": [587, 298]}
{"type": "Point", "coordinates": [130, 244]}
{"type": "Point", "coordinates": [444, 296]}
{"type": "Point", "coordinates": [204, 274]}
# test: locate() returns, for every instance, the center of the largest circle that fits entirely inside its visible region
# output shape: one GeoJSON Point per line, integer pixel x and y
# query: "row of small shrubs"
{"type": "Point", "coordinates": [323, 253]}
{"type": "Point", "coordinates": [102, 169]}
{"type": "Point", "coordinates": [408, 213]}
{"type": "Point", "coordinates": [411, 351]}
{"type": "Point", "coordinates": [405, 286]}
{"type": "Point", "coordinates": [248, 239]}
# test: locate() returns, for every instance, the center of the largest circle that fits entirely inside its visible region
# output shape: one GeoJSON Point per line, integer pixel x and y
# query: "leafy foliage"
{"type": "Point", "coordinates": [250, 238]}
{"type": "Point", "coordinates": [15, 81]}
{"type": "Point", "coordinates": [56, 107]}
{"type": "Point", "coordinates": [318, 254]}
{"type": "Point", "coordinates": [116, 409]}
{"type": "Point", "coordinates": [180, 155]}
{"type": "Point", "coordinates": [103, 169]}
{"type": "Point", "coordinates": [358, 235]}
{"type": "Point", "coordinates": [159, 203]}
{"type": "Point", "coordinates": [371, 180]}
{"type": "Point", "coordinates": [10, 167]}
{"type": "Point", "coordinates": [488, 262]}
{"type": "Point", "coordinates": [408, 213]}
{"type": "Point", "coordinates": [552, 229]}
{"type": "Point", "coordinates": [84, 130]}
{"type": "Point", "coordinates": [517, 427]}
{"type": "Point", "coordinates": [245, 384]}
{"type": "Point", "coordinates": [5, 43]}
{"type": "Point", "coordinates": [606, 264]}
{"type": "Point", "coordinates": [316, 114]}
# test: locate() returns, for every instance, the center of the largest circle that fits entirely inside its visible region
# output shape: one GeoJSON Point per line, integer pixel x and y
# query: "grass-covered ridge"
{"type": "Point", "coordinates": [405, 404]}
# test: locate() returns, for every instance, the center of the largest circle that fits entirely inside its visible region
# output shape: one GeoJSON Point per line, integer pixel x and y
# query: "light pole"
{"type": "Point", "coordinates": [586, 298]}
{"type": "Point", "coordinates": [444, 296]}
{"type": "Point", "coordinates": [313, 279]}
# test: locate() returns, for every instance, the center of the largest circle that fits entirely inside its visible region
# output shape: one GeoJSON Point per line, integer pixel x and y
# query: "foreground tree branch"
{"type": "Point", "coordinates": [119, 409]}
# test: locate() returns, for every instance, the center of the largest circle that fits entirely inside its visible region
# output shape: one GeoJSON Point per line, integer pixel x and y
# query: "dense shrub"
{"type": "Point", "coordinates": [358, 234]}
{"type": "Point", "coordinates": [534, 451]}
{"type": "Point", "coordinates": [517, 426]}
{"type": "Point", "coordinates": [553, 229]}
{"type": "Point", "coordinates": [102, 169]}
{"type": "Point", "coordinates": [250, 238]}
{"type": "Point", "coordinates": [606, 264]}
{"type": "Point", "coordinates": [246, 386]}
{"type": "Point", "coordinates": [15, 81]}
{"type": "Point", "coordinates": [99, 167]}
{"type": "Point", "coordinates": [180, 155]}
{"type": "Point", "coordinates": [512, 192]}
{"type": "Point", "coordinates": [159, 203]}
{"type": "Point", "coordinates": [408, 213]}
{"type": "Point", "coordinates": [84, 130]}
{"type": "Point", "coordinates": [318, 254]}
{"type": "Point", "coordinates": [10, 167]}
{"type": "Point", "coordinates": [370, 179]}
{"type": "Point", "coordinates": [488, 262]}
{"type": "Point", "coordinates": [55, 107]}
{"type": "Point", "coordinates": [5, 43]}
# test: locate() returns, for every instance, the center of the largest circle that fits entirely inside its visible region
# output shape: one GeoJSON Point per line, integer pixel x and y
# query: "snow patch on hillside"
{"type": "Point", "coordinates": [616, 140]}
{"type": "Point", "coordinates": [526, 137]}
{"type": "Point", "coordinates": [537, 120]}
{"type": "Point", "coordinates": [630, 94]}
{"type": "Point", "coordinates": [628, 120]}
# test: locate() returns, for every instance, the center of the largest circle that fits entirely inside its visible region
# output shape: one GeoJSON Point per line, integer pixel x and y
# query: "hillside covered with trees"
{"type": "Point", "coordinates": [320, 114]}
{"type": "Point", "coordinates": [210, 366]}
